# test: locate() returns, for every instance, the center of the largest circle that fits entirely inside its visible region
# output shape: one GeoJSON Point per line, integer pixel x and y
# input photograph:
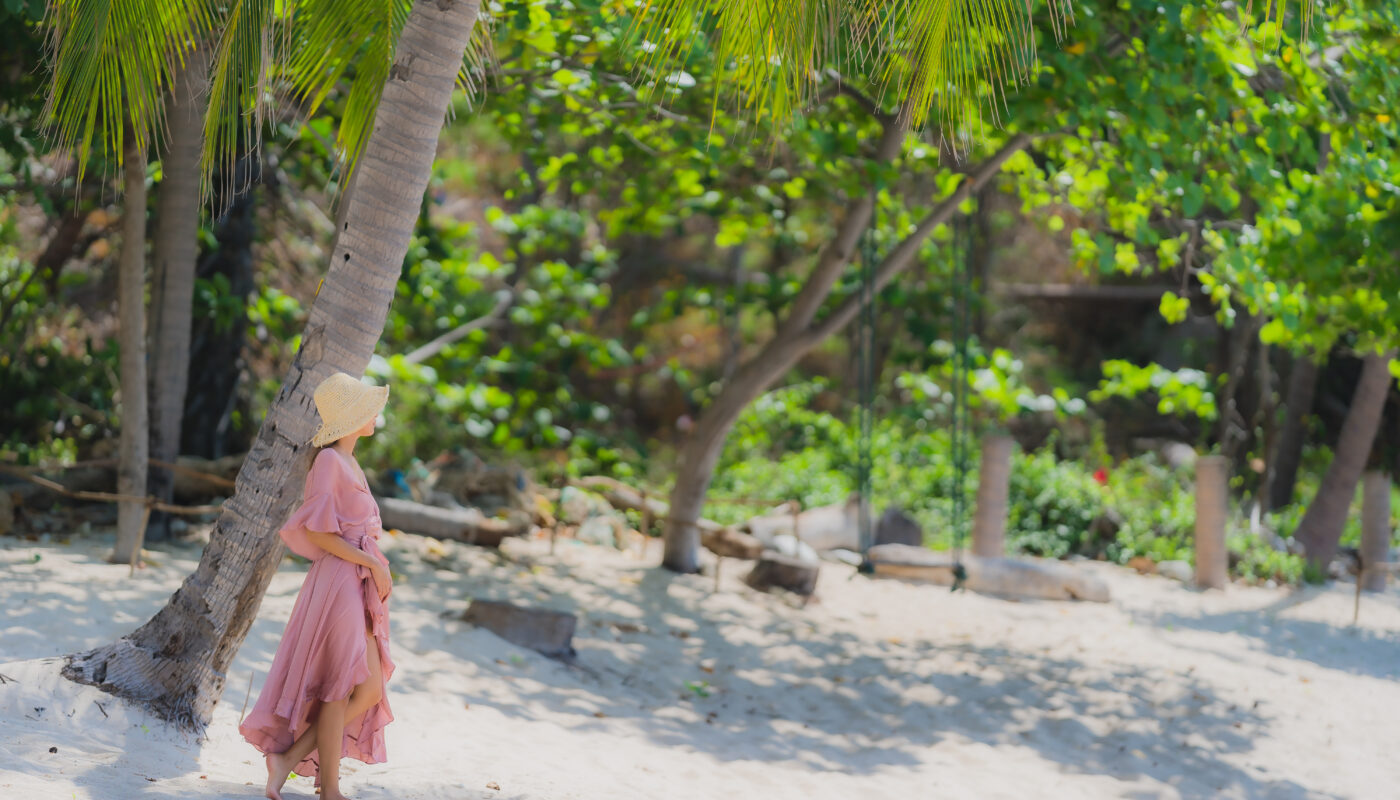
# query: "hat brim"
{"type": "Point", "coordinates": [364, 410]}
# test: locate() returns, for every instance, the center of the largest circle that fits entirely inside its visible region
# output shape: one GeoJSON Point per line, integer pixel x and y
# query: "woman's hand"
{"type": "Point", "coordinates": [383, 581]}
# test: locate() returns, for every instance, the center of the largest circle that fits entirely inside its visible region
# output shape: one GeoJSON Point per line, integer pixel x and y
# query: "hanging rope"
{"type": "Point", "coordinates": [959, 255]}
{"type": "Point", "coordinates": [865, 379]}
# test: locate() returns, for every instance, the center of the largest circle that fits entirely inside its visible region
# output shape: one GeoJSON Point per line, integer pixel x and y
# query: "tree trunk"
{"type": "Point", "coordinates": [175, 249]}
{"type": "Point", "coordinates": [798, 333]}
{"type": "Point", "coordinates": [1288, 450]}
{"type": "Point", "coordinates": [131, 311]}
{"type": "Point", "coordinates": [175, 664]}
{"type": "Point", "coordinates": [1233, 429]}
{"type": "Point", "coordinates": [1321, 527]}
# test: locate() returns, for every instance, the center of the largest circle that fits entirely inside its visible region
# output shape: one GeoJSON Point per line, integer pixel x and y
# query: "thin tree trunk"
{"type": "Point", "coordinates": [131, 312]}
{"type": "Point", "coordinates": [1321, 526]}
{"type": "Point", "coordinates": [1288, 449]}
{"type": "Point", "coordinates": [797, 334]}
{"type": "Point", "coordinates": [175, 250]}
{"type": "Point", "coordinates": [175, 664]}
{"type": "Point", "coordinates": [1234, 430]}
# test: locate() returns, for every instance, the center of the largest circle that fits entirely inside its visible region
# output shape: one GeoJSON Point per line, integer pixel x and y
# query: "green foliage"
{"type": "Point", "coordinates": [1052, 506]}
{"type": "Point", "coordinates": [999, 391]}
{"type": "Point", "coordinates": [1182, 392]}
{"type": "Point", "coordinates": [1258, 562]}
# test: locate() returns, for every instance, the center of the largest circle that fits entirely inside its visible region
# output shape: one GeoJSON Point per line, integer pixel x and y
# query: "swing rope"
{"type": "Point", "coordinates": [959, 256]}
{"type": "Point", "coordinates": [865, 380]}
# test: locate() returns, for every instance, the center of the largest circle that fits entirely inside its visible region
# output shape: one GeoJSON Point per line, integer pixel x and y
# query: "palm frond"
{"type": "Point", "coordinates": [335, 41]}
{"type": "Point", "coordinates": [112, 63]}
{"type": "Point", "coordinates": [479, 61]}
{"type": "Point", "coordinates": [240, 70]}
{"type": "Point", "coordinates": [951, 62]}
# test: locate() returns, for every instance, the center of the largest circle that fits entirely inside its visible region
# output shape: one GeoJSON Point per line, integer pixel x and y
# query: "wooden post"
{"type": "Point", "coordinates": [646, 527]}
{"type": "Point", "coordinates": [1212, 507]}
{"type": "Point", "coordinates": [993, 494]}
{"type": "Point", "coordinates": [796, 507]}
{"type": "Point", "coordinates": [1375, 530]}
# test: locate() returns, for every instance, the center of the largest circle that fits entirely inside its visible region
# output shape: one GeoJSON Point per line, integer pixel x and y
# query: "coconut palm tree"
{"type": "Point", "coordinates": [176, 661]}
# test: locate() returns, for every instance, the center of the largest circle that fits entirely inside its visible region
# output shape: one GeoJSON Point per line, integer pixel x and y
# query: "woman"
{"type": "Point", "coordinates": [324, 697]}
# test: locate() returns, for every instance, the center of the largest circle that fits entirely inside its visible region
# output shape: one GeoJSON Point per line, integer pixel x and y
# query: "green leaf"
{"type": "Point", "coordinates": [1192, 200]}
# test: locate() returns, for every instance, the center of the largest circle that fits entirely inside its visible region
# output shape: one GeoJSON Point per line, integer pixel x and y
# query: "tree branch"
{"type": "Point", "coordinates": [833, 259]}
{"type": "Point", "coordinates": [441, 343]}
{"type": "Point", "coordinates": [903, 254]}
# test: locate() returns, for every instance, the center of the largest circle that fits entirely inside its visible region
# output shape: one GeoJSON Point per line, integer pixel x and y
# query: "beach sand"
{"type": "Point", "coordinates": [877, 689]}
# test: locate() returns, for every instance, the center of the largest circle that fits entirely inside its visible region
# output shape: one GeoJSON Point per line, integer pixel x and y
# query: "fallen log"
{"type": "Point", "coordinates": [729, 543]}
{"type": "Point", "coordinates": [547, 632]}
{"type": "Point", "coordinates": [793, 574]}
{"type": "Point", "coordinates": [463, 524]}
{"type": "Point", "coordinates": [1011, 577]}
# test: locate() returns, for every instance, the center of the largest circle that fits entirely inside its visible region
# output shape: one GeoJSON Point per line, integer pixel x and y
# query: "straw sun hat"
{"type": "Point", "coordinates": [345, 405]}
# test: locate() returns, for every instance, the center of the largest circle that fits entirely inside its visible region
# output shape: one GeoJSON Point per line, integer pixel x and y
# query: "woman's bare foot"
{"type": "Point", "coordinates": [277, 771]}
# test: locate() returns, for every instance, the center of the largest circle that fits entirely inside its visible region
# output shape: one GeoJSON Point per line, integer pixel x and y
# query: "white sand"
{"type": "Point", "coordinates": [880, 689]}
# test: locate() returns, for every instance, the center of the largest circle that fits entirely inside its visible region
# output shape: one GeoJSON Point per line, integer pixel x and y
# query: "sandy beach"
{"type": "Point", "coordinates": [877, 689]}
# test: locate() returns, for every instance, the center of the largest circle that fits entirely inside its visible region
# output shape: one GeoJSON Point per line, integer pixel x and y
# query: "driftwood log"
{"type": "Point", "coordinates": [1012, 577]}
{"type": "Point", "coordinates": [462, 524]}
{"type": "Point", "coordinates": [729, 543]}
{"type": "Point", "coordinates": [548, 632]}
{"type": "Point", "coordinates": [196, 479]}
{"type": "Point", "coordinates": [774, 569]}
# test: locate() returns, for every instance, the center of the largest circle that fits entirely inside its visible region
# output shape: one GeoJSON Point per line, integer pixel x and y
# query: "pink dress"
{"type": "Point", "coordinates": [323, 653]}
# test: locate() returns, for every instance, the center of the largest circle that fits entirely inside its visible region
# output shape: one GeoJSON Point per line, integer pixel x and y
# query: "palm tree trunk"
{"type": "Point", "coordinates": [131, 313]}
{"type": "Point", "coordinates": [175, 250]}
{"type": "Point", "coordinates": [1321, 527]}
{"type": "Point", "coordinates": [798, 333]}
{"type": "Point", "coordinates": [1288, 450]}
{"type": "Point", "coordinates": [175, 664]}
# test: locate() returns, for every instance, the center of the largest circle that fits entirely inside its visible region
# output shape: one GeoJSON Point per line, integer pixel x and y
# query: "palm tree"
{"type": "Point", "coordinates": [108, 67]}
{"type": "Point", "coordinates": [175, 662]}
{"type": "Point", "coordinates": [174, 250]}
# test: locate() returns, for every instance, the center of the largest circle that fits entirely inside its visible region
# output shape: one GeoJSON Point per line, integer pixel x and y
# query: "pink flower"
{"type": "Point", "coordinates": [1101, 475]}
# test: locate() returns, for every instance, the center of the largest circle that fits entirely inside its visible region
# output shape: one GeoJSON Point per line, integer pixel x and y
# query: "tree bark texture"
{"type": "Point", "coordinates": [799, 332]}
{"type": "Point", "coordinates": [131, 313]}
{"type": "Point", "coordinates": [175, 251]}
{"type": "Point", "coordinates": [1321, 527]}
{"type": "Point", "coordinates": [175, 664]}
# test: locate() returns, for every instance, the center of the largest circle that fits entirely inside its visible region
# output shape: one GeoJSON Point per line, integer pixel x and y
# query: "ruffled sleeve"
{"type": "Point", "coordinates": [320, 508]}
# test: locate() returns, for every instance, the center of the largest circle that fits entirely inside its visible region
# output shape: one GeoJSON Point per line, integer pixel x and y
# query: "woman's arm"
{"type": "Point", "coordinates": [338, 547]}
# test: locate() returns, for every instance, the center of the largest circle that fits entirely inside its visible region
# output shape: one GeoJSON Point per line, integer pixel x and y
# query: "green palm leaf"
{"type": "Point", "coordinates": [112, 63]}
{"type": "Point", "coordinates": [243, 63]}
{"type": "Point", "coordinates": [313, 49]}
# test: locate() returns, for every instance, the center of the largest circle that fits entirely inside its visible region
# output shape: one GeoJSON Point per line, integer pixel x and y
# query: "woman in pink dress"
{"type": "Point", "coordinates": [324, 697]}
